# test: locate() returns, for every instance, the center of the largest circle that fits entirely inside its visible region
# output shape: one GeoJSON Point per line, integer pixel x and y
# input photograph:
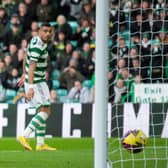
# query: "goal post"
{"type": "Point", "coordinates": [101, 83]}
{"type": "Point", "coordinates": [137, 57]}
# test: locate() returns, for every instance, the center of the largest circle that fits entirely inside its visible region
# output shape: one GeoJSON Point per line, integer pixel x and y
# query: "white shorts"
{"type": "Point", "coordinates": [41, 95]}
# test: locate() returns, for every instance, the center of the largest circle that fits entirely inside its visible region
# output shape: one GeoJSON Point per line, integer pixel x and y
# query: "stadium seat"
{"type": "Point", "coordinates": [55, 74]}
{"type": "Point", "coordinates": [87, 83]}
{"type": "Point", "coordinates": [62, 92]}
{"type": "Point", "coordinates": [55, 84]}
{"type": "Point", "coordinates": [74, 26]}
{"type": "Point", "coordinates": [62, 95]}
{"type": "Point", "coordinates": [74, 43]}
{"type": "Point", "coordinates": [10, 94]}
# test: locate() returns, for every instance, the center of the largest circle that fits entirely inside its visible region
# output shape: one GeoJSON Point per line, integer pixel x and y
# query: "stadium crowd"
{"type": "Point", "coordinates": [138, 43]}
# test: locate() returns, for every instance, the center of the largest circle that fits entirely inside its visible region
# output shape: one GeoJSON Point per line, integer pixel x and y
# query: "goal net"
{"type": "Point", "coordinates": [138, 76]}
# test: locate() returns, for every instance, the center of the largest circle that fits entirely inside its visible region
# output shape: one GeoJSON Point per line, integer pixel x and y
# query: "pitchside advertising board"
{"type": "Point", "coordinates": [78, 120]}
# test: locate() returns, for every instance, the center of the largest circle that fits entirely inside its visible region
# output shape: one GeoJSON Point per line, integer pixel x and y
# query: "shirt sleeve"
{"type": "Point", "coordinates": [35, 50]}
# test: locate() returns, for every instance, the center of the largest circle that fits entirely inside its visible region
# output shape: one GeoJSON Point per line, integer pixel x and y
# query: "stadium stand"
{"type": "Point", "coordinates": [127, 40]}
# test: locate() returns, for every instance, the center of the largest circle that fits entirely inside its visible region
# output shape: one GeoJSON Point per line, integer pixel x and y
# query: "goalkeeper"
{"type": "Point", "coordinates": [37, 91]}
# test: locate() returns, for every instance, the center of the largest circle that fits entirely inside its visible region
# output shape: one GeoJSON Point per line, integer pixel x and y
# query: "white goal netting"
{"type": "Point", "coordinates": [138, 62]}
{"type": "Point", "coordinates": [138, 46]}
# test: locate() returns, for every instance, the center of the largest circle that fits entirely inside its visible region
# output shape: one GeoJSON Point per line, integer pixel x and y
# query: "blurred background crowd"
{"type": "Point", "coordinates": [138, 46]}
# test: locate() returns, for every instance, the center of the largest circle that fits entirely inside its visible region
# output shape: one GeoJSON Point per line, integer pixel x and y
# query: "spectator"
{"type": "Point", "coordinates": [145, 45]}
{"type": "Point", "coordinates": [8, 61]}
{"type": "Point", "coordinates": [33, 30]}
{"type": "Point", "coordinates": [159, 5]}
{"type": "Point", "coordinates": [126, 76]}
{"type": "Point", "coordinates": [156, 60]}
{"type": "Point", "coordinates": [79, 93]}
{"type": "Point", "coordinates": [23, 17]}
{"type": "Point", "coordinates": [13, 36]}
{"type": "Point", "coordinates": [75, 8]}
{"type": "Point", "coordinates": [136, 69]}
{"type": "Point", "coordinates": [31, 9]}
{"type": "Point", "coordinates": [123, 49]}
{"type": "Point", "coordinates": [3, 21]}
{"type": "Point", "coordinates": [3, 72]}
{"type": "Point", "coordinates": [21, 54]}
{"type": "Point", "coordinates": [163, 19]}
{"type": "Point", "coordinates": [91, 64]}
{"type": "Point", "coordinates": [69, 75]}
{"type": "Point", "coordinates": [83, 33]}
{"type": "Point", "coordinates": [121, 64]}
{"type": "Point", "coordinates": [10, 7]}
{"type": "Point", "coordinates": [67, 55]}
{"type": "Point", "coordinates": [81, 63]}
{"type": "Point", "coordinates": [87, 12]}
{"type": "Point", "coordinates": [163, 37]}
{"type": "Point", "coordinates": [63, 26]}
{"type": "Point", "coordinates": [119, 89]}
{"type": "Point", "coordinates": [86, 50]}
{"type": "Point", "coordinates": [153, 23]}
{"type": "Point", "coordinates": [14, 20]}
{"type": "Point", "coordinates": [139, 26]}
{"type": "Point", "coordinates": [138, 79]}
{"type": "Point", "coordinates": [23, 44]}
{"type": "Point", "coordinates": [53, 96]}
{"type": "Point", "coordinates": [13, 53]}
{"type": "Point", "coordinates": [145, 4]}
{"type": "Point", "coordinates": [64, 59]}
{"type": "Point", "coordinates": [133, 52]}
{"type": "Point", "coordinates": [59, 45]}
{"type": "Point", "coordinates": [44, 11]}
{"type": "Point", "coordinates": [11, 81]}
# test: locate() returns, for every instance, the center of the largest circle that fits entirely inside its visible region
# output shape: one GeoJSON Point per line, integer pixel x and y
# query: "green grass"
{"type": "Point", "coordinates": [71, 153]}
{"type": "Point", "coordinates": [155, 154]}
{"type": "Point", "coordinates": [78, 153]}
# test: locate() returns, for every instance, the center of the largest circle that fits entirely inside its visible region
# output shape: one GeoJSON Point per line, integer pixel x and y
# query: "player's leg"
{"type": "Point", "coordinates": [40, 132]}
{"type": "Point", "coordinates": [44, 111]}
{"type": "Point", "coordinates": [38, 122]}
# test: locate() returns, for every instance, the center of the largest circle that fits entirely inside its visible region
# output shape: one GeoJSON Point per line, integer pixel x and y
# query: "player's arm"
{"type": "Point", "coordinates": [32, 68]}
{"type": "Point", "coordinates": [22, 78]}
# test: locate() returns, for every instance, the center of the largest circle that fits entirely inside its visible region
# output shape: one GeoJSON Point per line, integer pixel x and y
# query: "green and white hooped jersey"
{"type": "Point", "coordinates": [37, 51]}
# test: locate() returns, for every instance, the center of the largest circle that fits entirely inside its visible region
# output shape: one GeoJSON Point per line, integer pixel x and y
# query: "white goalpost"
{"type": "Point", "coordinates": [137, 57]}
{"type": "Point", "coordinates": [101, 84]}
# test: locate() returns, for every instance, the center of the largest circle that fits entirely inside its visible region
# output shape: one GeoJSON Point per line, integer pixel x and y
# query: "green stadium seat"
{"type": "Point", "coordinates": [87, 83]}
{"type": "Point", "coordinates": [55, 84]}
{"type": "Point", "coordinates": [10, 94]}
{"type": "Point", "coordinates": [55, 74]}
{"type": "Point", "coordinates": [53, 23]}
{"type": "Point", "coordinates": [74, 26]}
{"type": "Point", "coordinates": [74, 43]}
{"type": "Point", "coordinates": [62, 92]}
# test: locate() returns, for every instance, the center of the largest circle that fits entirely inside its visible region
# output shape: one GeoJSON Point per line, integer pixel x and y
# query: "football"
{"type": "Point", "coordinates": [134, 141]}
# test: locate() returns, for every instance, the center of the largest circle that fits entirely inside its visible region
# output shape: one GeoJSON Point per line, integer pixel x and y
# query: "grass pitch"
{"type": "Point", "coordinates": [70, 153]}
{"type": "Point", "coordinates": [154, 155]}
{"type": "Point", "coordinates": [79, 153]}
